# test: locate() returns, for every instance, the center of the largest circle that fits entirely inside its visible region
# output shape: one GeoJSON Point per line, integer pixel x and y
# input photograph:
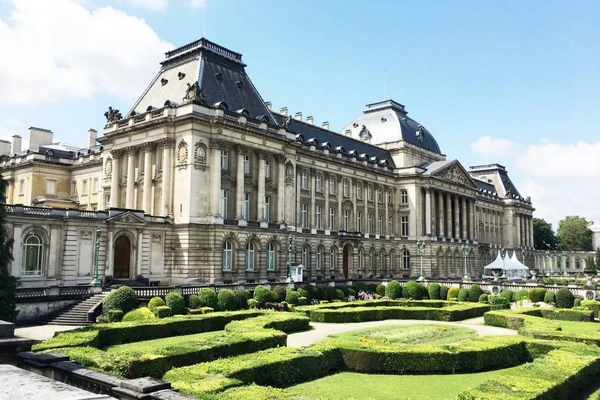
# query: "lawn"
{"type": "Point", "coordinates": [392, 387]}
{"type": "Point", "coordinates": [589, 328]}
{"type": "Point", "coordinates": [410, 335]}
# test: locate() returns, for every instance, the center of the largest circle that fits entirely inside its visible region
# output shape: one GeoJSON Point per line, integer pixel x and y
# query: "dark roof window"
{"type": "Point", "coordinates": [222, 105]}
{"type": "Point", "coordinates": [243, 112]}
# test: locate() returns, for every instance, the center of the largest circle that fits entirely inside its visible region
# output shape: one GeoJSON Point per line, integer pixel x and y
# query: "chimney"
{"type": "Point", "coordinates": [269, 105]}
{"type": "Point", "coordinates": [16, 144]}
{"type": "Point", "coordinates": [309, 120]}
{"type": "Point", "coordinates": [91, 137]}
{"type": "Point", "coordinates": [298, 116]}
{"type": "Point", "coordinates": [39, 137]}
{"type": "Point", "coordinates": [283, 111]}
{"type": "Point", "coordinates": [325, 125]}
{"type": "Point", "coordinates": [4, 148]}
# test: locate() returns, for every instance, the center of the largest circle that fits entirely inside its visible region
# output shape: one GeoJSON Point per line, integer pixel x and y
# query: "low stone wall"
{"type": "Point", "coordinates": [33, 312]}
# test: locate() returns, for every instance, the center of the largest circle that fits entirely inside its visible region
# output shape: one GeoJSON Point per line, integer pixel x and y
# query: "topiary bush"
{"type": "Point", "coordinates": [240, 300]}
{"type": "Point", "coordinates": [521, 295]}
{"type": "Point", "coordinates": [536, 295]}
{"type": "Point", "coordinates": [291, 297]}
{"type": "Point", "coordinates": [475, 293]}
{"type": "Point", "coordinates": [358, 286]}
{"type": "Point", "coordinates": [381, 290]}
{"type": "Point", "coordinates": [162, 311]}
{"type": "Point", "coordinates": [483, 298]}
{"type": "Point", "coordinates": [549, 297]}
{"type": "Point", "coordinates": [463, 295]}
{"type": "Point", "coordinates": [332, 293]}
{"type": "Point", "coordinates": [304, 293]}
{"type": "Point", "coordinates": [302, 301]}
{"type": "Point", "coordinates": [226, 301]}
{"type": "Point", "coordinates": [247, 294]}
{"type": "Point", "coordinates": [208, 298]}
{"type": "Point", "coordinates": [281, 292]}
{"type": "Point", "coordinates": [564, 298]}
{"type": "Point", "coordinates": [322, 293]}
{"type": "Point", "coordinates": [444, 293]}
{"type": "Point", "coordinates": [140, 314]}
{"type": "Point", "coordinates": [434, 291]}
{"type": "Point", "coordinates": [115, 315]}
{"type": "Point", "coordinates": [453, 293]}
{"type": "Point", "coordinates": [344, 290]}
{"type": "Point", "coordinates": [413, 290]}
{"type": "Point", "coordinates": [593, 305]}
{"type": "Point", "coordinates": [498, 302]}
{"type": "Point", "coordinates": [371, 287]}
{"type": "Point", "coordinates": [176, 303]}
{"type": "Point", "coordinates": [351, 292]}
{"type": "Point", "coordinates": [577, 303]}
{"type": "Point", "coordinates": [508, 294]}
{"type": "Point", "coordinates": [312, 291]}
{"type": "Point", "coordinates": [261, 295]}
{"type": "Point", "coordinates": [155, 302]}
{"type": "Point", "coordinates": [340, 294]}
{"type": "Point", "coordinates": [194, 302]}
{"type": "Point", "coordinates": [274, 296]}
{"type": "Point", "coordinates": [393, 290]}
{"type": "Point", "coordinates": [123, 298]}
{"type": "Point", "coordinates": [424, 292]}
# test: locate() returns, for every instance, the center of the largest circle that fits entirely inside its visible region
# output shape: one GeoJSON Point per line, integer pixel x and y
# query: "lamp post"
{"type": "Point", "coordinates": [564, 257]}
{"type": "Point", "coordinates": [547, 258]}
{"type": "Point", "coordinates": [523, 262]}
{"type": "Point", "coordinates": [465, 252]}
{"type": "Point", "coordinates": [289, 271]}
{"type": "Point", "coordinates": [420, 251]}
{"type": "Point", "coordinates": [503, 255]}
{"type": "Point", "coordinates": [96, 281]}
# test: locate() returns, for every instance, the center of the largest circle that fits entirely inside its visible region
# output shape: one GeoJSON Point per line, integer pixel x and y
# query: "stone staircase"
{"type": "Point", "coordinates": [77, 313]}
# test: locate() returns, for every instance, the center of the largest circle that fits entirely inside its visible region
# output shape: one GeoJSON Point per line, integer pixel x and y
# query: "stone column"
{"type": "Point", "coordinates": [365, 220]}
{"type": "Point", "coordinates": [129, 198]}
{"type": "Point", "coordinates": [472, 219]}
{"type": "Point", "coordinates": [448, 215]}
{"type": "Point", "coordinates": [427, 211]}
{"type": "Point", "coordinates": [387, 214]}
{"type": "Point", "coordinates": [239, 182]}
{"type": "Point", "coordinates": [464, 217]}
{"type": "Point", "coordinates": [215, 177]}
{"type": "Point", "coordinates": [441, 230]}
{"type": "Point", "coordinates": [114, 178]}
{"type": "Point", "coordinates": [148, 147]}
{"type": "Point", "coordinates": [325, 213]}
{"type": "Point", "coordinates": [17, 250]}
{"type": "Point", "coordinates": [110, 258]}
{"type": "Point", "coordinates": [340, 199]}
{"type": "Point", "coordinates": [299, 197]}
{"type": "Point", "coordinates": [313, 198]}
{"type": "Point", "coordinates": [518, 229]}
{"type": "Point", "coordinates": [10, 190]}
{"type": "Point", "coordinates": [531, 231]}
{"type": "Point", "coordinates": [376, 219]}
{"type": "Point", "coordinates": [167, 167]}
{"type": "Point", "coordinates": [352, 222]}
{"type": "Point", "coordinates": [262, 156]}
{"type": "Point", "coordinates": [280, 158]}
{"type": "Point", "coordinates": [456, 218]}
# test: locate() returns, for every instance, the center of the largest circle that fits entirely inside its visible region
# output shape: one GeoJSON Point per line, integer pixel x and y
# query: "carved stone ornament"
{"type": "Point", "coordinates": [167, 142]}
{"type": "Point", "coordinates": [216, 144]}
{"type": "Point", "coordinates": [193, 94]}
{"type": "Point", "coordinates": [182, 153]}
{"type": "Point", "coordinates": [280, 158]}
{"type": "Point", "coordinates": [285, 123]}
{"type": "Point", "coordinates": [420, 133]}
{"type": "Point", "coordinates": [454, 174]}
{"type": "Point", "coordinates": [112, 115]}
{"type": "Point", "coordinates": [241, 149]}
{"type": "Point", "coordinates": [289, 175]}
{"type": "Point", "coordinates": [200, 154]}
{"type": "Point", "coordinates": [108, 167]}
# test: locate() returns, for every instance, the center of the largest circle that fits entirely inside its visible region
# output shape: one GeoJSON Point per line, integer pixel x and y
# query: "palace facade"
{"type": "Point", "coordinates": [203, 181]}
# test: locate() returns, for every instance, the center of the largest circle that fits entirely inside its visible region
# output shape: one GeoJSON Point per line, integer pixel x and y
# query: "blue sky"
{"type": "Point", "coordinates": [510, 82]}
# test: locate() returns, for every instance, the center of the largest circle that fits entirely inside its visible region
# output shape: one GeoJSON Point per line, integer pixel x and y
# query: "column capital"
{"type": "Point", "coordinates": [148, 146]}
{"type": "Point", "coordinates": [263, 155]}
{"type": "Point", "coordinates": [130, 150]}
{"type": "Point", "coordinates": [241, 149]}
{"type": "Point", "coordinates": [116, 153]}
{"type": "Point", "coordinates": [280, 158]}
{"type": "Point", "coordinates": [167, 142]}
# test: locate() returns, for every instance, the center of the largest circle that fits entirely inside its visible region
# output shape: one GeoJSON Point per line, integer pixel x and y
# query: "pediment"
{"type": "Point", "coordinates": [455, 173]}
{"type": "Point", "coordinates": [128, 218]}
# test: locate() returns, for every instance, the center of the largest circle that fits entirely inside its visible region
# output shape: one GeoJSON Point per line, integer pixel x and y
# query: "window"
{"type": "Point", "coordinates": [227, 255]}
{"type": "Point", "coordinates": [224, 196]}
{"type": "Point", "coordinates": [381, 260]}
{"type": "Point", "coordinates": [403, 197]}
{"type": "Point", "coordinates": [267, 208]}
{"type": "Point", "coordinates": [346, 188]}
{"type": "Point", "coordinates": [306, 257]}
{"type": "Point", "coordinates": [33, 251]}
{"type": "Point", "coordinates": [271, 257]}
{"type": "Point", "coordinates": [379, 196]}
{"type": "Point", "coordinates": [319, 258]}
{"type": "Point", "coordinates": [246, 165]}
{"type": "Point", "coordinates": [159, 158]}
{"type": "Point", "coordinates": [224, 159]}
{"type": "Point", "coordinates": [359, 222]}
{"type": "Point", "coordinates": [73, 188]}
{"type": "Point", "coordinates": [370, 224]}
{"type": "Point", "coordinates": [22, 186]}
{"type": "Point", "coordinates": [84, 187]}
{"type": "Point", "coordinates": [318, 215]}
{"type": "Point", "coordinates": [51, 188]}
{"type": "Point", "coordinates": [346, 221]}
{"type": "Point", "coordinates": [250, 256]}
{"type": "Point", "coordinates": [96, 185]}
{"type": "Point", "coordinates": [390, 226]}
{"type": "Point", "coordinates": [567, 263]}
{"type": "Point", "coordinates": [361, 259]}
{"type": "Point", "coordinates": [332, 185]}
{"type": "Point", "coordinates": [332, 219]}
{"type": "Point", "coordinates": [370, 259]}
{"type": "Point", "coordinates": [358, 191]}
{"type": "Point", "coordinates": [332, 258]}
{"type": "Point", "coordinates": [392, 261]}
{"type": "Point", "coordinates": [380, 224]}
{"type": "Point", "coordinates": [577, 263]}
{"type": "Point", "coordinates": [389, 197]}
{"type": "Point", "coordinates": [304, 215]}
{"type": "Point", "coordinates": [319, 183]}
{"type": "Point", "coordinates": [267, 169]}
{"type": "Point", "coordinates": [405, 259]}
{"type": "Point", "coordinates": [246, 206]}
{"type": "Point", "coordinates": [369, 193]}
{"type": "Point", "coordinates": [404, 225]}
{"type": "Point", "coordinates": [304, 180]}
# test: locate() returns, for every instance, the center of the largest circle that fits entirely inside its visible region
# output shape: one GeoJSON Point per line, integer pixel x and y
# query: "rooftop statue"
{"type": "Point", "coordinates": [193, 94]}
{"type": "Point", "coordinates": [112, 115]}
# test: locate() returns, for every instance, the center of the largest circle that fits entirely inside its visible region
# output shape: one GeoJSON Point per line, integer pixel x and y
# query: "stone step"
{"type": "Point", "coordinates": [75, 314]}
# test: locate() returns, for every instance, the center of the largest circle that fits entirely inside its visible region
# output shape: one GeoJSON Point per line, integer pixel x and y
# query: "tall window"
{"type": "Point", "coordinates": [359, 221]}
{"type": "Point", "coordinates": [227, 255]}
{"type": "Point", "coordinates": [332, 219]}
{"type": "Point", "coordinates": [577, 263]}
{"type": "Point", "coordinates": [96, 185]}
{"type": "Point", "coordinates": [319, 257]}
{"type": "Point", "coordinates": [304, 215]}
{"type": "Point", "coordinates": [380, 224]}
{"type": "Point", "coordinates": [271, 257]}
{"type": "Point", "coordinates": [405, 259]}
{"type": "Point", "coordinates": [267, 208]}
{"type": "Point", "coordinates": [304, 180]}
{"type": "Point", "coordinates": [246, 206]}
{"type": "Point", "coordinates": [267, 169]}
{"type": "Point", "coordinates": [224, 159]}
{"type": "Point", "coordinates": [361, 259]}
{"type": "Point", "coordinates": [346, 222]}
{"type": "Point", "coordinates": [404, 225]}
{"type": "Point", "coordinates": [250, 256]}
{"type": "Point", "coordinates": [319, 215]}
{"type": "Point", "coordinates": [73, 188]}
{"type": "Point", "coordinates": [332, 258]}
{"type": "Point", "coordinates": [22, 186]}
{"type": "Point", "coordinates": [33, 251]}
{"type": "Point", "coordinates": [403, 197]}
{"type": "Point", "coordinates": [390, 226]}
{"type": "Point", "coordinates": [379, 196]}
{"type": "Point", "coordinates": [389, 197]}
{"type": "Point", "coordinates": [84, 187]}
{"type": "Point", "coordinates": [319, 183]}
{"type": "Point", "coordinates": [306, 257]}
{"type": "Point", "coordinates": [346, 188]}
{"type": "Point", "coordinates": [246, 165]}
{"type": "Point", "coordinates": [359, 191]}
{"type": "Point", "coordinates": [332, 185]}
{"type": "Point", "coordinates": [370, 223]}
{"type": "Point", "coordinates": [370, 259]}
{"type": "Point", "coordinates": [369, 193]}
{"type": "Point", "coordinates": [567, 263]}
{"type": "Point", "coordinates": [51, 187]}
{"type": "Point", "coordinates": [224, 196]}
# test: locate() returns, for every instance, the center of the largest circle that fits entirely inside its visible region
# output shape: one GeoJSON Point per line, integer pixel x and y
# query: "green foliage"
{"type": "Point", "coordinates": [393, 290]}
{"type": "Point", "coordinates": [240, 300]}
{"type": "Point", "coordinates": [304, 293]}
{"type": "Point", "coordinates": [281, 292]}
{"type": "Point", "coordinates": [549, 297]}
{"type": "Point", "coordinates": [226, 301]}
{"type": "Point", "coordinates": [340, 294]}
{"type": "Point", "coordinates": [444, 293]}
{"type": "Point", "coordinates": [291, 297]}
{"type": "Point", "coordinates": [155, 302]}
{"type": "Point", "coordinates": [344, 290]}
{"type": "Point", "coordinates": [372, 288]}
{"type": "Point", "coordinates": [208, 298]}
{"type": "Point", "coordinates": [508, 294]}
{"type": "Point", "coordinates": [380, 290]}
{"type": "Point", "coordinates": [302, 301]}
{"type": "Point", "coordinates": [434, 291]}
{"type": "Point", "coordinates": [194, 302]}
{"type": "Point", "coordinates": [593, 305]}
{"type": "Point", "coordinates": [176, 303]}
{"type": "Point", "coordinates": [424, 292]}
{"type": "Point", "coordinates": [543, 235]}
{"type": "Point", "coordinates": [247, 294]}
{"type": "Point", "coordinates": [521, 295]}
{"type": "Point", "coordinates": [358, 286]}
{"type": "Point", "coordinates": [564, 298]}
{"type": "Point", "coordinates": [8, 283]}
{"type": "Point", "coordinates": [253, 304]}
{"type": "Point", "coordinates": [332, 293]}
{"type": "Point", "coordinates": [312, 291]}
{"type": "Point", "coordinates": [452, 293]}
{"type": "Point", "coordinates": [463, 295]}
{"type": "Point", "coordinates": [577, 303]}
{"type": "Point", "coordinates": [574, 235]}
{"type": "Point", "coordinates": [537, 295]}
{"type": "Point", "coordinates": [123, 298]}
{"type": "Point", "coordinates": [115, 315]}
{"type": "Point", "coordinates": [140, 314]}
{"type": "Point", "coordinates": [162, 311]}
{"type": "Point", "coordinates": [498, 302]}
{"type": "Point", "coordinates": [483, 298]}
{"type": "Point", "coordinates": [413, 290]}
{"type": "Point", "coordinates": [475, 293]}
{"type": "Point", "coordinates": [273, 296]}
{"type": "Point", "coordinates": [261, 295]}
{"type": "Point", "coordinates": [351, 292]}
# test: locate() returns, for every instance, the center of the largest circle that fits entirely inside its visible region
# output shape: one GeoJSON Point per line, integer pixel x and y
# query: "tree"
{"type": "Point", "coordinates": [543, 235]}
{"type": "Point", "coordinates": [8, 283]}
{"type": "Point", "coordinates": [574, 234]}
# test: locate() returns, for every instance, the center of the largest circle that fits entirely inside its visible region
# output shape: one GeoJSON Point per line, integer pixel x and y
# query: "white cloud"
{"type": "Point", "coordinates": [489, 146]}
{"type": "Point", "coordinates": [157, 5]}
{"type": "Point", "coordinates": [556, 160]}
{"type": "Point", "coordinates": [61, 50]}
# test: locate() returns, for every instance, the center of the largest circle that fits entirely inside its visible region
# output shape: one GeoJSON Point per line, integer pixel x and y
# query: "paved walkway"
{"type": "Point", "coordinates": [321, 330]}
{"type": "Point", "coordinates": [42, 332]}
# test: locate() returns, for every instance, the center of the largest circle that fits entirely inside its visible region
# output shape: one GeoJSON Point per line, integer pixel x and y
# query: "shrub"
{"type": "Point", "coordinates": [351, 292]}
{"type": "Point", "coordinates": [537, 295]}
{"type": "Point", "coordinates": [474, 293]}
{"type": "Point", "coordinates": [424, 292]}
{"type": "Point", "coordinates": [444, 293]}
{"type": "Point", "coordinates": [252, 304]}
{"type": "Point", "coordinates": [139, 315]}
{"type": "Point", "coordinates": [360, 286]}
{"type": "Point", "coordinates": [304, 293]}
{"type": "Point", "coordinates": [344, 290]}
{"type": "Point", "coordinates": [312, 291]}
{"type": "Point", "coordinates": [226, 301]}
{"type": "Point", "coordinates": [498, 302]}
{"type": "Point", "coordinates": [453, 293]}
{"type": "Point", "coordinates": [521, 295]}
{"type": "Point", "coordinates": [463, 295]}
{"type": "Point", "coordinates": [281, 292]}
{"type": "Point", "coordinates": [564, 298]}
{"type": "Point", "coordinates": [577, 303]}
{"type": "Point", "coordinates": [162, 311]}
{"type": "Point", "coordinates": [115, 315]}
{"type": "Point", "coordinates": [322, 293]}
{"type": "Point", "coordinates": [291, 297]}
{"type": "Point", "coordinates": [261, 295]}
{"type": "Point", "coordinates": [413, 290]}
{"type": "Point", "coordinates": [240, 300]}
{"type": "Point", "coordinates": [381, 290]}
{"type": "Point", "coordinates": [155, 302]}
{"type": "Point", "coordinates": [332, 293]}
{"type": "Point", "coordinates": [549, 297]}
{"type": "Point", "coordinates": [208, 298]}
{"type": "Point", "coordinates": [393, 290]}
{"type": "Point", "coordinates": [176, 303]}
{"type": "Point", "coordinates": [247, 294]}
{"type": "Point", "coordinates": [302, 301]}
{"type": "Point", "coordinates": [194, 302]}
{"type": "Point", "coordinates": [434, 291]}
{"type": "Point", "coordinates": [483, 298]}
{"type": "Point", "coordinates": [372, 287]}
{"type": "Point", "coordinates": [508, 294]}
{"type": "Point", "coordinates": [593, 305]}
{"type": "Point", "coordinates": [340, 294]}
{"type": "Point", "coordinates": [123, 298]}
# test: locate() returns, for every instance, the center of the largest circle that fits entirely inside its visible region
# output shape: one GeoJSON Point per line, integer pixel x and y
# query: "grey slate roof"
{"type": "Point", "coordinates": [485, 186]}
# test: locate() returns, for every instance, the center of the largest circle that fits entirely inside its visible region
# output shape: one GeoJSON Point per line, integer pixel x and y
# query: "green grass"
{"type": "Point", "coordinates": [589, 328]}
{"type": "Point", "coordinates": [392, 387]}
{"type": "Point", "coordinates": [410, 335]}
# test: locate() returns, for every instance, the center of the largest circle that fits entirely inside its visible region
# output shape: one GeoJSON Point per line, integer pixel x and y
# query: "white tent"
{"type": "Point", "coordinates": [511, 267]}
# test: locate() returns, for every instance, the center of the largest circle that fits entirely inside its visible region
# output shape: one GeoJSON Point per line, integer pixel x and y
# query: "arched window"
{"type": "Point", "coordinates": [361, 258]}
{"type": "Point", "coordinates": [227, 255]}
{"type": "Point", "coordinates": [405, 259]}
{"type": "Point", "coordinates": [370, 259]}
{"type": "Point", "coordinates": [392, 261]}
{"type": "Point", "coordinates": [382, 260]}
{"type": "Point", "coordinates": [306, 257]}
{"type": "Point", "coordinates": [567, 263]}
{"type": "Point", "coordinates": [33, 250]}
{"type": "Point", "coordinates": [250, 256]}
{"type": "Point", "coordinates": [319, 257]}
{"type": "Point", "coordinates": [332, 258]}
{"type": "Point", "coordinates": [271, 257]}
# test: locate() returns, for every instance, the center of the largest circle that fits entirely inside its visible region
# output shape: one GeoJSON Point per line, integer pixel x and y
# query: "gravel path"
{"type": "Point", "coordinates": [321, 330]}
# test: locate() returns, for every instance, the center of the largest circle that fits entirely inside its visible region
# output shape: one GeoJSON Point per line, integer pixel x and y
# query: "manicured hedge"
{"type": "Point", "coordinates": [140, 314]}
{"type": "Point", "coordinates": [549, 297]}
{"type": "Point", "coordinates": [593, 305]}
{"type": "Point", "coordinates": [463, 295]}
{"type": "Point", "coordinates": [123, 298]}
{"type": "Point", "coordinates": [453, 293]}
{"type": "Point", "coordinates": [207, 298]}
{"type": "Point", "coordinates": [564, 298]}
{"type": "Point", "coordinates": [475, 293]}
{"type": "Point", "coordinates": [537, 295]}
{"type": "Point", "coordinates": [285, 322]}
{"type": "Point", "coordinates": [412, 290]}
{"type": "Point", "coordinates": [393, 290]}
{"type": "Point", "coordinates": [434, 291]}
{"type": "Point", "coordinates": [176, 303]}
{"type": "Point", "coordinates": [443, 293]}
{"type": "Point", "coordinates": [156, 302]}
{"type": "Point", "coordinates": [226, 301]}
